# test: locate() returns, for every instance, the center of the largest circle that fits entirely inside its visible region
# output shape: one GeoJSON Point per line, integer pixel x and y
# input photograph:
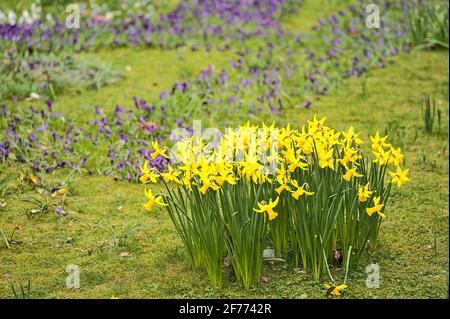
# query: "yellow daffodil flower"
{"type": "Point", "coordinates": [171, 175]}
{"type": "Point", "coordinates": [282, 179]}
{"type": "Point", "coordinates": [207, 183]}
{"type": "Point", "coordinates": [263, 207]}
{"type": "Point", "coordinates": [225, 175]}
{"type": "Point", "coordinates": [335, 290]}
{"type": "Point", "coordinates": [281, 188]}
{"type": "Point", "coordinates": [364, 193]}
{"type": "Point", "coordinates": [351, 173]}
{"type": "Point", "coordinates": [152, 200]}
{"type": "Point", "coordinates": [382, 157]}
{"type": "Point", "coordinates": [399, 176]}
{"type": "Point", "coordinates": [158, 151]}
{"type": "Point", "coordinates": [350, 155]}
{"type": "Point", "coordinates": [148, 174]}
{"type": "Point", "coordinates": [60, 192]}
{"type": "Point", "coordinates": [396, 156]}
{"type": "Point", "coordinates": [316, 125]}
{"type": "Point", "coordinates": [300, 190]}
{"type": "Point", "coordinates": [350, 137]}
{"type": "Point", "coordinates": [326, 159]}
{"type": "Point", "coordinates": [377, 207]}
{"type": "Point", "coordinates": [378, 142]}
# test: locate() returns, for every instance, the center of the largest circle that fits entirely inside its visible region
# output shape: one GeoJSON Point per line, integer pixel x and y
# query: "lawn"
{"type": "Point", "coordinates": [125, 252]}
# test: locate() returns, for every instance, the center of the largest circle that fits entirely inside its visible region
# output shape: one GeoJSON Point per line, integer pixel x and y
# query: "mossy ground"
{"type": "Point", "coordinates": [107, 219]}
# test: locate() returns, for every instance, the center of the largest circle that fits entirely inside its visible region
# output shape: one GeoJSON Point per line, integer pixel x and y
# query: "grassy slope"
{"type": "Point", "coordinates": [413, 253]}
{"type": "Point", "coordinates": [310, 13]}
{"type": "Point", "coordinates": [147, 73]}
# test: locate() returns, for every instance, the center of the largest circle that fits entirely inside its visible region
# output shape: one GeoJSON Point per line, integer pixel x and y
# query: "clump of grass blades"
{"type": "Point", "coordinates": [430, 114]}
{"type": "Point", "coordinates": [428, 23]}
{"type": "Point", "coordinates": [50, 75]}
{"type": "Point", "coordinates": [24, 293]}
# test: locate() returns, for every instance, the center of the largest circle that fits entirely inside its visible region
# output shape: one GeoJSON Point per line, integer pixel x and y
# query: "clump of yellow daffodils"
{"type": "Point", "coordinates": [315, 188]}
{"type": "Point", "coordinates": [246, 153]}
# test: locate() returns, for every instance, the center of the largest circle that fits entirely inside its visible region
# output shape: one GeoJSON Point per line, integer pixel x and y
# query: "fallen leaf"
{"type": "Point", "coordinates": [227, 262]}
{"type": "Point", "coordinates": [33, 179]}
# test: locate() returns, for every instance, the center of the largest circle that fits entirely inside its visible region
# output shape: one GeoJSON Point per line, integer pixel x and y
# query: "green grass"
{"type": "Point", "coordinates": [310, 13]}
{"type": "Point", "coordinates": [413, 251]}
{"type": "Point", "coordinates": [147, 72]}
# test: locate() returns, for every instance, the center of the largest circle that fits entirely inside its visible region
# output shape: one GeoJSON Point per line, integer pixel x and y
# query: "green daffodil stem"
{"type": "Point", "coordinates": [347, 264]}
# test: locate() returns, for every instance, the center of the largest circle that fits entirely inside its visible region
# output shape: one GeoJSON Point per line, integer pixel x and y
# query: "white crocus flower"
{"type": "Point", "coordinates": [36, 11]}
{"type": "Point", "coordinates": [26, 18]}
{"type": "Point", "coordinates": [109, 16]}
{"type": "Point", "coordinates": [50, 19]}
{"type": "Point", "coordinates": [34, 96]}
{"type": "Point", "coordinates": [2, 17]}
{"type": "Point", "coordinates": [12, 18]}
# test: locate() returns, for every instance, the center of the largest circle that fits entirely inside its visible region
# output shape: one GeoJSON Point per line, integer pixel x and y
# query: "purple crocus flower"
{"type": "Point", "coordinates": [3, 150]}
{"type": "Point", "coordinates": [98, 110]}
{"type": "Point", "coordinates": [182, 86]}
{"type": "Point", "coordinates": [60, 211]}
